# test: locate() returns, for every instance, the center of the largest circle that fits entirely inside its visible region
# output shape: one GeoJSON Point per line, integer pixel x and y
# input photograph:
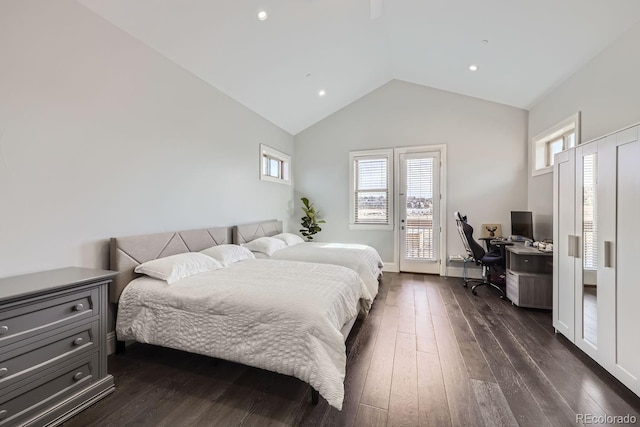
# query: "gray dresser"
{"type": "Point", "coordinates": [53, 358]}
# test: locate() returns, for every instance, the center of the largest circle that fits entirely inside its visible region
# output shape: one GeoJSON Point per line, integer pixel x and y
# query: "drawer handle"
{"type": "Point", "coordinates": [4, 330]}
{"type": "Point", "coordinates": [3, 372]}
{"type": "Point", "coordinates": [78, 307]}
{"type": "Point", "coordinates": [78, 376]}
{"type": "Point", "coordinates": [3, 414]}
{"type": "Point", "coordinates": [78, 341]}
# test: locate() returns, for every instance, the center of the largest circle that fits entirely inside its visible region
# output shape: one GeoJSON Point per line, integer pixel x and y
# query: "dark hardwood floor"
{"type": "Point", "coordinates": [428, 354]}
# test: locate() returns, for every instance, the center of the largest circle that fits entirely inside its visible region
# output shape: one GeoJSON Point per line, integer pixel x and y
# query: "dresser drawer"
{"type": "Point", "coordinates": [39, 315]}
{"type": "Point", "coordinates": [39, 353]}
{"type": "Point", "coordinates": [21, 404]}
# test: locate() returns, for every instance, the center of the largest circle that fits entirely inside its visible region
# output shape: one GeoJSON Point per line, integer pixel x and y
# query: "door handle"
{"type": "Point", "coordinates": [571, 246]}
{"type": "Point", "coordinates": [608, 252]}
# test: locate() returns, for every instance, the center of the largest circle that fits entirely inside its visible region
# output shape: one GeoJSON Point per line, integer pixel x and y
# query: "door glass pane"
{"type": "Point", "coordinates": [419, 209]}
{"type": "Point", "coordinates": [589, 249]}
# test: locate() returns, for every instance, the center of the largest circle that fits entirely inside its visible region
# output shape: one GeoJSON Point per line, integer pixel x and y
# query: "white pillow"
{"type": "Point", "coordinates": [228, 254]}
{"type": "Point", "coordinates": [289, 238]}
{"type": "Point", "coordinates": [176, 267]}
{"type": "Point", "coordinates": [267, 245]}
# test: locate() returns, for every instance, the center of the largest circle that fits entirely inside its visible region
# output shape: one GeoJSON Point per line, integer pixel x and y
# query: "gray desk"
{"type": "Point", "coordinates": [529, 277]}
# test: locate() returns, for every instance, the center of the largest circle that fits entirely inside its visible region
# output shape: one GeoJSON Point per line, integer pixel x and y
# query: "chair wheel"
{"type": "Point", "coordinates": [465, 284]}
{"type": "Point", "coordinates": [473, 291]}
{"type": "Point", "coordinates": [502, 297]}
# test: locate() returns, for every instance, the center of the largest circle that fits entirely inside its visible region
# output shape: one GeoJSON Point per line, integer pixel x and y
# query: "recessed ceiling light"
{"type": "Point", "coordinates": [262, 15]}
{"type": "Point", "coordinates": [473, 67]}
{"type": "Point", "coordinates": [322, 92]}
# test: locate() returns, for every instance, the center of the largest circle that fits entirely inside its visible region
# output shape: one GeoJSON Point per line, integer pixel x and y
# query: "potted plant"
{"type": "Point", "coordinates": [310, 220]}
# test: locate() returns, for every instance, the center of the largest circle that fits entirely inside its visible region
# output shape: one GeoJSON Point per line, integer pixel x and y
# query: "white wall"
{"type": "Point", "coordinates": [486, 150]}
{"type": "Point", "coordinates": [606, 90]}
{"type": "Point", "coordinates": [101, 136]}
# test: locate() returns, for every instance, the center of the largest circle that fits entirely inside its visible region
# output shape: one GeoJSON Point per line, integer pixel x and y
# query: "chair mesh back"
{"type": "Point", "coordinates": [476, 249]}
{"type": "Point", "coordinates": [473, 248]}
{"type": "Point", "coordinates": [460, 223]}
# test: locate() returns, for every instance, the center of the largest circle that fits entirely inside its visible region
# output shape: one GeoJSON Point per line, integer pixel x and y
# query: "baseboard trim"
{"type": "Point", "coordinates": [472, 273]}
{"type": "Point", "coordinates": [111, 342]}
{"type": "Point", "coordinates": [391, 267]}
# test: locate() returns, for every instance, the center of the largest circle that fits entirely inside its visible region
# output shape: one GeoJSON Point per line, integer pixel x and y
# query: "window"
{"type": "Point", "coordinates": [275, 166]}
{"type": "Point", "coordinates": [370, 189]}
{"type": "Point", "coordinates": [552, 141]}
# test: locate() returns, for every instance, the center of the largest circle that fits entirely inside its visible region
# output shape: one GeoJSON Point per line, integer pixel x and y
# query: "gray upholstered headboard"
{"type": "Point", "coordinates": [128, 252]}
{"type": "Point", "coordinates": [247, 232]}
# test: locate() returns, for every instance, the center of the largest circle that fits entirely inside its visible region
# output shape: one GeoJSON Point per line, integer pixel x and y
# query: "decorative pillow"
{"type": "Point", "coordinates": [228, 254]}
{"type": "Point", "coordinates": [289, 238]}
{"type": "Point", "coordinates": [266, 245]}
{"type": "Point", "coordinates": [176, 267]}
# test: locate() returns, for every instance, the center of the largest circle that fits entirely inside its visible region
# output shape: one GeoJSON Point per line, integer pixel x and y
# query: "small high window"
{"type": "Point", "coordinates": [545, 146]}
{"type": "Point", "coordinates": [275, 165]}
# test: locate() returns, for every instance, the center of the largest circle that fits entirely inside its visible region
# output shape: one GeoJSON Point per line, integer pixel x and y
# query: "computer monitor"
{"type": "Point", "coordinates": [522, 224]}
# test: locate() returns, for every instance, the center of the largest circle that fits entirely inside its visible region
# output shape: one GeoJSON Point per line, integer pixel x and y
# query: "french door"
{"type": "Point", "coordinates": [419, 209]}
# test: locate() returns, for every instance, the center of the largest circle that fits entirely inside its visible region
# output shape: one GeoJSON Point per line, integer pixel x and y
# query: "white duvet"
{"type": "Point", "coordinates": [364, 259]}
{"type": "Point", "coordinates": [277, 315]}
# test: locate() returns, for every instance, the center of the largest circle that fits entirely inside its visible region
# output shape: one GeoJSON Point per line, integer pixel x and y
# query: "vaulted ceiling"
{"type": "Point", "coordinates": [276, 67]}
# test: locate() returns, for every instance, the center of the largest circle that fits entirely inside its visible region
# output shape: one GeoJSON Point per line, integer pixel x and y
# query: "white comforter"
{"type": "Point", "coordinates": [277, 315]}
{"type": "Point", "coordinates": [364, 259]}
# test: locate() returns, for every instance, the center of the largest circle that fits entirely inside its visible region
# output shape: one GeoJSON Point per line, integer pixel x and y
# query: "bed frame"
{"type": "Point", "coordinates": [128, 252]}
{"type": "Point", "coordinates": [248, 232]}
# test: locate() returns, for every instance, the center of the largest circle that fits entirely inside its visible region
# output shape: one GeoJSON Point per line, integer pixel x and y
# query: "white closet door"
{"type": "Point", "coordinates": [565, 244]}
{"type": "Point", "coordinates": [607, 233]}
{"type": "Point", "coordinates": [619, 247]}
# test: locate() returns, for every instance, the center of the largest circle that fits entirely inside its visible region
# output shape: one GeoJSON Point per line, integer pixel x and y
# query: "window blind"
{"type": "Point", "coordinates": [589, 220]}
{"type": "Point", "coordinates": [371, 190]}
{"type": "Point", "coordinates": [419, 194]}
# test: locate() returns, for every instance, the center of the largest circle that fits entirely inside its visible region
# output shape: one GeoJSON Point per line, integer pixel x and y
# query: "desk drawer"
{"type": "Point", "coordinates": [530, 290]}
{"type": "Point", "coordinates": [531, 263]}
{"type": "Point", "coordinates": [19, 405]}
{"type": "Point", "coordinates": [39, 315]}
{"type": "Point", "coordinates": [41, 353]}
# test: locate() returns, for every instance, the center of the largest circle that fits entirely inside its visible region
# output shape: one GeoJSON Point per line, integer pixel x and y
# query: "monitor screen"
{"type": "Point", "coordinates": [522, 224]}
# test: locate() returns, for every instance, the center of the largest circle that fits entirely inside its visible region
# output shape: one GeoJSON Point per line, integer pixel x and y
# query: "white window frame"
{"type": "Point", "coordinates": [284, 162]}
{"type": "Point", "coordinates": [540, 143]}
{"type": "Point", "coordinates": [371, 154]}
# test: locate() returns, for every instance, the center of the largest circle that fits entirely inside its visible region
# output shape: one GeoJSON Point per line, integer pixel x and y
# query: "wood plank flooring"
{"type": "Point", "coordinates": [428, 354]}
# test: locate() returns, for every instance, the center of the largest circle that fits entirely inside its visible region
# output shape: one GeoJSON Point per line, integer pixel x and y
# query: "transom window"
{"type": "Point", "coordinates": [274, 165]}
{"type": "Point", "coordinates": [554, 140]}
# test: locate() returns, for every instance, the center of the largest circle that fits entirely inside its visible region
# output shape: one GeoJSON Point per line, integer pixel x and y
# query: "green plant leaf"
{"type": "Point", "coordinates": [310, 221]}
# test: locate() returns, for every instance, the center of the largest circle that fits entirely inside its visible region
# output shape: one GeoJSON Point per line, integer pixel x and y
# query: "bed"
{"type": "Point", "coordinates": [363, 259]}
{"type": "Point", "coordinates": [283, 316]}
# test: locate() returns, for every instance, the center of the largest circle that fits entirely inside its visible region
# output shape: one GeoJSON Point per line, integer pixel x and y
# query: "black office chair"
{"type": "Point", "coordinates": [477, 254]}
